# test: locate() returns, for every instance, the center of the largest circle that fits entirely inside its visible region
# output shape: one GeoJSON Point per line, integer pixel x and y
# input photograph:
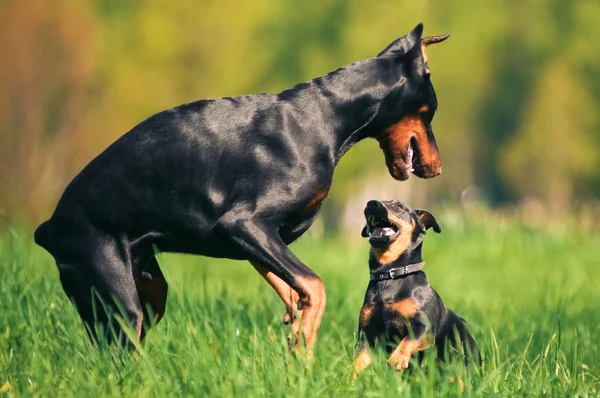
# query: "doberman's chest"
{"type": "Point", "coordinates": [302, 218]}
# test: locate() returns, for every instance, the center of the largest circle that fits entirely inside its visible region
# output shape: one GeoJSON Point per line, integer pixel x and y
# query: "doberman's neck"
{"type": "Point", "coordinates": [407, 258]}
{"type": "Point", "coordinates": [347, 100]}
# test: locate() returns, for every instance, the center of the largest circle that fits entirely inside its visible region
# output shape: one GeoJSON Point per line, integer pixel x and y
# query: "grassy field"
{"type": "Point", "coordinates": [530, 297]}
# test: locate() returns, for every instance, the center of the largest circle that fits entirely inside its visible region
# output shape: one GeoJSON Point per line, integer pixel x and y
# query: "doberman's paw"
{"type": "Point", "coordinates": [286, 319]}
{"type": "Point", "coordinates": [292, 306]}
{"type": "Point", "coordinates": [297, 351]}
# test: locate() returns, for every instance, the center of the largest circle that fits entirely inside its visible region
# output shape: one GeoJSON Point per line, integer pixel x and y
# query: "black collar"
{"type": "Point", "coordinates": [396, 273]}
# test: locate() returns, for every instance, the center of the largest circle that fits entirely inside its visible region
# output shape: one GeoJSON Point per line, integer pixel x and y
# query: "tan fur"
{"type": "Point", "coordinates": [394, 142]}
{"type": "Point", "coordinates": [283, 290]}
{"type": "Point", "coordinates": [406, 307]}
{"type": "Point", "coordinates": [362, 360]}
{"type": "Point", "coordinates": [366, 313]}
{"type": "Point", "coordinates": [312, 299]}
{"type": "Point", "coordinates": [399, 246]}
{"type": "Point", "coordinates": [425, 57]}
{"type": "Point", "coordinates": [138, 327]}
{"type": "Point", "coordinates": [315, 201]}
{"type": "Point", "coordinates": [406, 349]}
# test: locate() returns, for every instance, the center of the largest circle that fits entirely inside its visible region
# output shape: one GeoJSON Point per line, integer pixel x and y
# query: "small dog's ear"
{"type": "Point", "coordinates": [365, 232]}
{"type": "Point", "coordinates": [428, 220]}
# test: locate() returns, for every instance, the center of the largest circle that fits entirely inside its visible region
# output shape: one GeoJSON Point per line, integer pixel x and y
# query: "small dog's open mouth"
{"type": "Point", "coordinates": [381, 230]}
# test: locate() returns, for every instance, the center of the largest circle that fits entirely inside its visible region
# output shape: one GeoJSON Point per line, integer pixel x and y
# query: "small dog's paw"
{"type": "Point", "coordinates": [400, 361]}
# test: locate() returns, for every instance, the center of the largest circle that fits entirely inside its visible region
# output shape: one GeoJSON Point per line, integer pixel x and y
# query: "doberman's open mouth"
{"type": "Point", "coordinates": [412, 159]}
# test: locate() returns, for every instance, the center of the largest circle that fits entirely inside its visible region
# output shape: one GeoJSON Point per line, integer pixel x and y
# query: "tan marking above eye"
{"type": "Point", "coordinates": [395, 219]}
{"type": "Point", "coordinates": [424, 109]}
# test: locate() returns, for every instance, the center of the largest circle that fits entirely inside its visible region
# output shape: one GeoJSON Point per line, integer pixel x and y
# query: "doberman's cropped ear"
{"type": "Point", "coordinates": [417, 32]}
{"type": "Point", "coordinates": [405, 43]}
{"type": "Point", "coordinates": [428, 220]}
{"type": "Point", "coordinates": [365, 232]}
{"type": "Point", "coordinates": [417, 58]}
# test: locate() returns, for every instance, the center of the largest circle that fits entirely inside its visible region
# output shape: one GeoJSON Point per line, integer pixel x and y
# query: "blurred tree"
{"type": "Point", "coordinates": [553, 154]}
{"type": "Point", "coordinates": [518, 84]}
{"type": "Point", "coordinates": [45, 67]}
{"type": "Point", "coordinates": [553, 149]}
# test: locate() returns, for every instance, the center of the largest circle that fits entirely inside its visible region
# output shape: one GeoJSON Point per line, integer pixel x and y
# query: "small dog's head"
{"type": "Point", "coordinates": [393, 228]}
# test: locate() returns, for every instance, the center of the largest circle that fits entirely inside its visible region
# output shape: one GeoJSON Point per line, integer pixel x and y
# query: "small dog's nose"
{"type": "Point", "coordinates": [373, 203]}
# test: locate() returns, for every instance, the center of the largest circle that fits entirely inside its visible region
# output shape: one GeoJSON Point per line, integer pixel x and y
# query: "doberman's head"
{"type": "Point", "coordinates": [403, 122]}
{"type": "Point", "coordinates": [395, 230]}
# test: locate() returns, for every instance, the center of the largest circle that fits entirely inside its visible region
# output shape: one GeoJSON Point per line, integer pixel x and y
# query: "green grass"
{"type": "Point", "coordinates": [530, 297]}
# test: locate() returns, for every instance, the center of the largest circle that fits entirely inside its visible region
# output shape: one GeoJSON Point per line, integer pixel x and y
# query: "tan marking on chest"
{"type": "Point", "coordinates": [406, 307]}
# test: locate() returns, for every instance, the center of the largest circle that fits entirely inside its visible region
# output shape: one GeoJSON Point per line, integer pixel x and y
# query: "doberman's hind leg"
{"type": "Point", "coordinates": [101, 286]}
{"type": "Point", "coordinates": [152, 291]}
{"type": "Point", "coordinates": [264, 246]}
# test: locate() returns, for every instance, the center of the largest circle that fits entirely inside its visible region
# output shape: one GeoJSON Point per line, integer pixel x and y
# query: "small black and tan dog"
{"type": "Point", "coordinates": [400, 305]}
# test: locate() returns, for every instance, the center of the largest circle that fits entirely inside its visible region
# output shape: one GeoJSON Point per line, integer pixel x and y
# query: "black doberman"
{"type": "Point", "coordinates": [399, 300]}
{"type": "Point", "coordinates": [237, 178]}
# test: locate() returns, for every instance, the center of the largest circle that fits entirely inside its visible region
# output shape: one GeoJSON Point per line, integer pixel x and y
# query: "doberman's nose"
{"type": "Point", "coordinates": [374, 203]}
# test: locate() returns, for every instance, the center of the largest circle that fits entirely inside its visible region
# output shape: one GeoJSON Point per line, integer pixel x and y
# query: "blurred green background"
{"type": "Point", "coordinates": [518, 85]}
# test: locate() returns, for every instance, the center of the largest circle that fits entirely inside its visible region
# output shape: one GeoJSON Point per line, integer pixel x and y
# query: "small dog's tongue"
{"type": "Point", "coordinates": [385, 231]}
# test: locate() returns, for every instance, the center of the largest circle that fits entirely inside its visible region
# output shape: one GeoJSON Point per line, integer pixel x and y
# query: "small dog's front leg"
{"type": "Point", "coordinates": [401, 356]}
{"type": "Point", "coordinates": [363, 358]}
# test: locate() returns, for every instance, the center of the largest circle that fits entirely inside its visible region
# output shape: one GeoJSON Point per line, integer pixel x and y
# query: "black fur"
{"type": "Point", "coordinates": [431, 316]}
{"type": "Point", "coordinates": [230, 177]}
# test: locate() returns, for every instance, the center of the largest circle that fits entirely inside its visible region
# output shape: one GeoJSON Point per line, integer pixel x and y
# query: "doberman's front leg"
{"type": "Point", "coordinates": [289, 297]}
{"type": "Point", "coordinates": [264, 246]}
